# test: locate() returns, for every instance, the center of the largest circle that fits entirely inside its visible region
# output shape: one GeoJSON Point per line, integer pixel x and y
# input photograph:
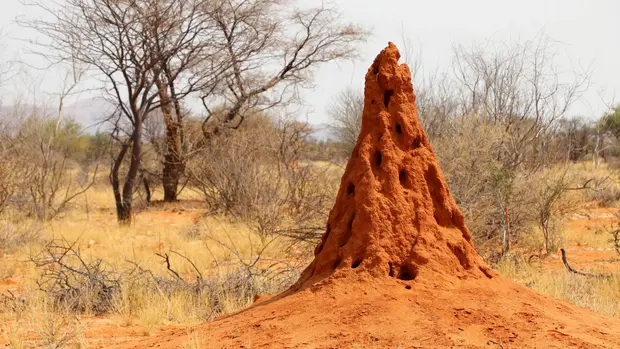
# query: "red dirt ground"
{"type": "Point", "coordinates": [591, 219]}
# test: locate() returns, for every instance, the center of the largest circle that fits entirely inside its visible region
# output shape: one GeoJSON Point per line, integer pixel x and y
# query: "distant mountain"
{"type": "Point", "coordinates": [11, 116]}
{"type": "Point", "coordinates": [90, 113]}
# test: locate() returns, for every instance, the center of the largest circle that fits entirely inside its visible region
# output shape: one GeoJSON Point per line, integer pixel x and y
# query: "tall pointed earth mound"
{"type": "Point", "coordinates": [394, 215]}
{"type": "Point", "coordinates": [395, 224]}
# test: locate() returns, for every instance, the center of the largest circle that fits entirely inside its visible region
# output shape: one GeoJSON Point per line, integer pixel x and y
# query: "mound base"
{"type": "Point", "coordinates": [484, 313]}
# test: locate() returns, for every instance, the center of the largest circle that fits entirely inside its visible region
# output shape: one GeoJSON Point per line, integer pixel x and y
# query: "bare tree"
{"type": "Point", "coordinates": [253, 54]}
{"type": "Point", "coordinates": [274, 49]}
{"type": "Point", "coordinates": [152, 54]}
{"type": "Point", "coordinates": [115, 39]}
{"type": "Point", "coordinates": [573, 137]}
{"type": "Point", "coordinates": [185, 42]}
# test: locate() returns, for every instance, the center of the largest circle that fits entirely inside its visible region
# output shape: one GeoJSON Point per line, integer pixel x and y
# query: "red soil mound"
{"type": "Point", "coordinates": [394, 215]}
{"type": "Point", "coordinates": [396, 266]}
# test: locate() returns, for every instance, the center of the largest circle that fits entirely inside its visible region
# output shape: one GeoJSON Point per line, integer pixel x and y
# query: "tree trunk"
{"type": "Point", "coordinates": [125, 214]}
{"type": "Point", "coordinates": [122, 213]}
{"type": "Point", "coordinates": [147, 189]}
{"type": "Point", "coordinates": [545, 231]}
{"type": "Point", "coordinates": [124, 199]}
{"type": "Point", "coordinates": [171, 177]}
{"type": "Point", "coordinates": [136, 153]}
{"type": "Point", "coordinates": [173, 164]}
{"type": "Point", "coordinates": [597, 162]}
{"type": "Point", "coordinates": [506, 232]}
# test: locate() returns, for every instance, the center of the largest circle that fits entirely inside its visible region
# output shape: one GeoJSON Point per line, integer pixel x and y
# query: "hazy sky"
{"type": "Point", "coordinates": [588, 33]}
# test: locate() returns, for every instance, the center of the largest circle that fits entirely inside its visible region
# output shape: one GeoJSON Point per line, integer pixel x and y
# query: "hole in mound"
{"type": "Point", "coordinates": [323, 240]}
{"type": "Point", "coordinates": [399, 129]}
{"type": "Point", "coordinates": [378, 159]}
{"type": "Point", "coordinates": [375, 69]}
{"type": "Point", "coordinates": [351, 222]}
{"type": "Point", "coordinates": [408, 287]}
{"type": "Point", "coordinates": [391, 273]}
{"type": "Point", "coordinates": [387, 96]}
{"type": "Point", "coordinates": [404, 275]}
{"type": "Point", "coordinates": [318, 249]}
{"type": "Point", "coordinates": [438, 194]}
{"type": "Point", "coordinates": [402, 177]}
{"type": "Point", "coordinates": [345, 238]}
{"type": "Point", "coordinates": [407, 273]}
{"type": "Point", "coordinates": [351, 189]}
{"type": "Point", "coordinates": [372, 102]}
{"type": "Point", "coordinates": [416, 143]}
{"type": "Point", "coordinates": [356, 263]}
{"type": "Point", "coordinates": [486, 271]}
{"type": "Point", "coordinates": [337, 262]}
{"type": "Point", "coordinates": [347, 235]}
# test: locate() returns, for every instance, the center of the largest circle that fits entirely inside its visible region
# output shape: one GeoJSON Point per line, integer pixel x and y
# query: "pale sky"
{"type": "Point", "coordinates": [588, 33]}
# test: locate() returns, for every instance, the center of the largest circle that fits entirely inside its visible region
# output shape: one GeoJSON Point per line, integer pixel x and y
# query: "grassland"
{"type": "Point", "coordinates": [218, 265]}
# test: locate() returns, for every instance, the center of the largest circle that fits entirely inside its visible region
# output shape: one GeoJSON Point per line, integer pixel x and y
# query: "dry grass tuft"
{"type": "Point", "coordinates": [598, 294]}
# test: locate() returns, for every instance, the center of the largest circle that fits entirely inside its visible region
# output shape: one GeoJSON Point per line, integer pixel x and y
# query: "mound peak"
{"type": "Point", "coordinates": [394, 215]}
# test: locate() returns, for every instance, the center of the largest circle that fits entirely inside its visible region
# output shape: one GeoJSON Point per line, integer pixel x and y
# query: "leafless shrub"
{"type": "Point", "coordinates": [237, 280]}
{"type": "Point", "coordinates": [465, 153]}
{"type": "Point", "coordinates": [9, 302]}
{"type": "Point", "coordinates": [606, 194]}
{"type": "Point", "coordinates": [40, 176]}
{"type": "Point", "coordinates": [254, 271]}
{"type": "Point", "coordinates": [257, 174]}
{"type": "Point", "coordinates": [10, 172]}
{"type": "Point", "coordinates": [551, 202]}
{"type": "Point", "coordinates": [345, 113]}
{"type": "Point", "coordinates": [75, 284]}
{"type": "Point", "coordinates": [47, 183]}
{"type": "Point", "coordinates": [615, 236]}
{"type": "Point", "coordinates": [227, 174]}
{"type": "Point", "coordinates": [487, 193]}
{"type": "Point", "coordinates": [72, 282]}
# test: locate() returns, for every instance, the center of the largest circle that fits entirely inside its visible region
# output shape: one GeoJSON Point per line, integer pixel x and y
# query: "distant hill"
{"type": "Point", "coordinates": [92, 111]}
{"type": "Point", "coordinates": [89, 113]}
{"type": "Point", "coordinates": [323, 132]}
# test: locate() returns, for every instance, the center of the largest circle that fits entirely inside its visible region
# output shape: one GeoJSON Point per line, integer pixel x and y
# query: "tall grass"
{"type": "Point", "coordinates": [223, 250]}
{"type": "Point", "coordinates": [598, 294]}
